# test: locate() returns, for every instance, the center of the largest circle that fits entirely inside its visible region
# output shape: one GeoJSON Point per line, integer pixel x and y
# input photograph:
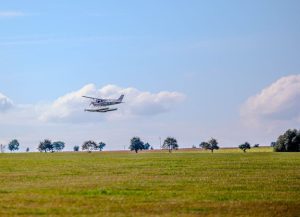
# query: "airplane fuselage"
{"type": "Point", "coordinates": [101, 103]}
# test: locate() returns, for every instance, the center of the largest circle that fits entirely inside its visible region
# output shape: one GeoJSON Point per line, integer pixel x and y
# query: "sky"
{"type": "Point", "coordinates": [189, 69]}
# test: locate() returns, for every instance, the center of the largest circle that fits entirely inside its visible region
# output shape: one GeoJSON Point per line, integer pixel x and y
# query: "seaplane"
{"type": "Point", "coordinates": [102, 105]}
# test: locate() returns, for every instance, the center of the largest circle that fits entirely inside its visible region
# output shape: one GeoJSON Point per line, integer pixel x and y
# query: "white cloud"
{"type": "Point", "coordinates": [9, 14]}
{"type": "Point", "coordinates": [69, 108]}
{"type": "Point", "coordinates": [279, 102]}
{"type": "Point", "coordinates": [66, 106]}
{"type": "Point", "coordinates": [65, 119]}
{"type": "Point", "coordinates": [5, 103]}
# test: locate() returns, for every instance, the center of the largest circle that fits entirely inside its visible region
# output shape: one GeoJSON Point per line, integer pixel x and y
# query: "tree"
{"type": "Point", "coordinates": [27, 149]}
{"type": "Point", "coordinates": [288, 142]}
{"type": "Point", "coordinates": [245, 146]}
{"type": "Point", "coordinates": [273, 144]}
{"type": "Point", "coordinates": [45, 146]}
{"type": "Point", "coordinates": [76, 148]}
{"type": "Point", "coordinates": [101, 146]}
{"type": "Point", "coordinates": [136, 144]}
{"type": "Point", "coordinates": [170, 143]}
{"type": "Point", "coordinates": [214, 144]}
{"type": "Point", "coordinates": [13, 145]}
{"type": "Point", "coordinates": [204, 145]}
{"type": "Point", "coordinates": [89, 146]}
{"type": "Point", "coordinates": [58, 146]}
{"type": "Point", "coordinates": [147, 146]}
{"type": "Point", "coordinates": [256, 146]}
{"type": "Point", "coordinates": [2, 148]}
{"type": "Point", "coordinates": [211, 145]}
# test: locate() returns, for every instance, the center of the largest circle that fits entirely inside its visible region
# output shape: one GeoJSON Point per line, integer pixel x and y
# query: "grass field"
{"type": "Point", "coordinates": [184, 183]}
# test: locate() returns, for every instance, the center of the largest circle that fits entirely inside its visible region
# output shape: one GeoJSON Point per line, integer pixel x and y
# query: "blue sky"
{"type": "Point", "coordinates": [217, 54]}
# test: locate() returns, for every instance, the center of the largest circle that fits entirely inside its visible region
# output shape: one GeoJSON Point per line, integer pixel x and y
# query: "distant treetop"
{"type": "Point", "coordinates": [288, 142]}
{"type": "Point", "coordinates": [211, 145]}
{"type": "Point", "coordinates": [170, 143]}
{"type": "Point", "coordinates": [245, 146]}
{"type": "Point", "coordinates": [13, 145]}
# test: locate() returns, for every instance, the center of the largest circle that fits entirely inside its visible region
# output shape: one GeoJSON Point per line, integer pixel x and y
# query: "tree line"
{"type": "Point", "coordinates": [287, 142]}
{"type": "Point", "coordinates": [136, 144]}
{"type": "Point", "coordinates": [48, 146]}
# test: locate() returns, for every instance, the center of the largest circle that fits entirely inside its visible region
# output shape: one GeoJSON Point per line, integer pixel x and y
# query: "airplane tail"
{"type": "Point", "coordinates": [121, 98]}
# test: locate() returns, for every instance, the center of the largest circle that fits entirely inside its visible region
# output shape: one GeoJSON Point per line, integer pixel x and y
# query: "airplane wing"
{"type": "Point", "coordinates": [88, 97]}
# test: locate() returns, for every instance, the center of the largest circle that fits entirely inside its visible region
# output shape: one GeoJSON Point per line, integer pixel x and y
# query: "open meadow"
{"type": "Point", "coordinates": [184, 183]}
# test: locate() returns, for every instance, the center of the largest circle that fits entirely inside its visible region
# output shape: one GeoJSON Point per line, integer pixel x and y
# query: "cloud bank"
{"type": "Point", "coordinates": [138, 103]}
{"type": "Point", "coordinates": [69, 108]}
{"type": "Point", "coordinates": [279, 102]}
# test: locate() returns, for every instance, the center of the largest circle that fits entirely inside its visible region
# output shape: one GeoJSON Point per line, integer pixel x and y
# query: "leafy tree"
{"type": "Point", "coordinates": [136, 144]}
{"type": "Point", "coordinates": [273, 144]}
{"type": "Point", "coordinates": [204, 145]}
{"type": "Point", "coordinates": [58, 146]}
{"type": "Point", "coordinates": [288, 142]}
{"type": "Point", "coordinates": [214, 144]}
{"type": "Point", "coordinates": [89, 146]}
{"type": "Point", "coordinates": [170, 143]}
{"type": "Point", "coordinates": [27, 149]}
{"type": "Point", "coordinates": [76, 148]}
{"type": "Point", "coordinates": [211, 145]}
{"type": "Point", "coordinates": [13, 145]}
{"type": "Point", "coordinates": [46, 146]}
{"type": "Point", "coordinates": [256, 146]}
{"type": "Point", "coordinates": [245, 146]}
{"type": "Point", "coordinates": [147, 146]}
{"type": "Point", "coordinates": [101, 146]}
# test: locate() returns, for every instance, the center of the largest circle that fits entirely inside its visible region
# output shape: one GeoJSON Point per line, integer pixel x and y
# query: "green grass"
{"type": "Point", "coordinates": [184, 183]}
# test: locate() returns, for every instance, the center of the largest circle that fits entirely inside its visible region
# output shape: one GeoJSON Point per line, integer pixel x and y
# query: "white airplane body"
{"type": "Point", "coordinates": [102, 105]}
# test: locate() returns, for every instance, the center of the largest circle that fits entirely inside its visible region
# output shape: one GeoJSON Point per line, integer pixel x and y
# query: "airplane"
{"type": "Point", "coordinates": [102, 105]}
